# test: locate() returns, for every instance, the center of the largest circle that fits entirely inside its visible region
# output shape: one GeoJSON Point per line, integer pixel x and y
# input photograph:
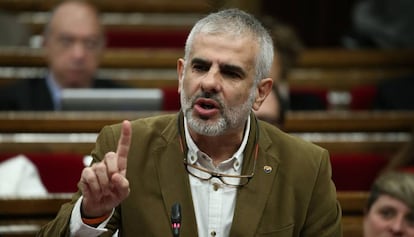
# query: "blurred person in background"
{"type": "Point", "coordinates": [288, 48]}
{"type": "Point", "coordinates": [390, 206]}
{"type": "Point", "coordinates": [386, 24]}
{"type": "Point", "coordinates": [73, 44]}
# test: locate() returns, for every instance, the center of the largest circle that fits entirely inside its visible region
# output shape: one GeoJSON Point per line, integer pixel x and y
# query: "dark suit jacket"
{"type": "Point", "coordinates": [297, 198]}
{"type": "Point", "coordinates": [34, 94]}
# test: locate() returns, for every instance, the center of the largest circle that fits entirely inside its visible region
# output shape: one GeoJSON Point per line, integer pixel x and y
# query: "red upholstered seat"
{"type": "Point", "coordinates": [171, 99]}
{"type": "Point", "coordinates": [356, 171]}
{"type": "Point", "coordinates": [59, 172]}
{"type": "Point", "coordinates": [363, 97]}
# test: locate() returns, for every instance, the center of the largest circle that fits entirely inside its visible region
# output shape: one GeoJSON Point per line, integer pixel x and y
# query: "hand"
{"type": "Point", "coordinates": [104, 185]}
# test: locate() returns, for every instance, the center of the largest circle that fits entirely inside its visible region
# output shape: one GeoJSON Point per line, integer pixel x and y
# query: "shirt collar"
{"type": "Point", "coordinates": [195, 155]}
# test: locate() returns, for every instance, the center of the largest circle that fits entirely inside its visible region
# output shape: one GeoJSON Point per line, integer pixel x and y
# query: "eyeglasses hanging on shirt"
{"type": "Point", "coordinates": [205, 174]}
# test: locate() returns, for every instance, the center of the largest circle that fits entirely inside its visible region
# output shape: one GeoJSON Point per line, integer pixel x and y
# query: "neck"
{"type": "Point", "coordinates": [221, 147]}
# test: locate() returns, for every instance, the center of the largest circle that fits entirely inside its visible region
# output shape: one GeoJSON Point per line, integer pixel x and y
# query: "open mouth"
{"type": "Point", "coordinates": [207, 106]}
{"type": "Point", "coordinates": [207, 103]}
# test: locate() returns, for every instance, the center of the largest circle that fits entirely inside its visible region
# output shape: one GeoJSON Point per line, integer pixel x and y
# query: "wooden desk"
{"type": "Point", "coordinates": [311, 58]}
{"type": "Point", "coordinates": [318, 121]}
{"type": "Point", "coordinates": [24, 216]}
{"type": "Point", "coordinates": [75, 132]}
{"type": "Point", "coordinates": [322, 69]}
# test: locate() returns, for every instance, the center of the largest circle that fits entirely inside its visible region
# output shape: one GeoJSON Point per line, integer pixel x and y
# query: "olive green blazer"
{"type": "Point", "coordinates": [293, 196]}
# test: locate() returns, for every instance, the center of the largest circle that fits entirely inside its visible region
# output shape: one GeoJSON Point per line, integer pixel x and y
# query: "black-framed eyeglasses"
{"type": "Point", "coordinates": [205, 174]}
{"type": "Point", "coordinates": [231, 180]}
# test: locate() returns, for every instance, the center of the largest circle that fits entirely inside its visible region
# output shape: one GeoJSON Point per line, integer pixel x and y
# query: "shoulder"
{"type": "Point", "coordinates": [26, 84]}
{"type": "Point", "coordinates": [286, 142]}
{"type": "Point", "coordinates": [292, 152]}
{"type": "Point", "coordinates": [144, 126]}
{"type": "Point", "coordinates": [145, 131]}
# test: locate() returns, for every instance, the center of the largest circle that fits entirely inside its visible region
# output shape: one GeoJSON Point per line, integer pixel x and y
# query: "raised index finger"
{"type": "Point", "coordinates": [123, 145]}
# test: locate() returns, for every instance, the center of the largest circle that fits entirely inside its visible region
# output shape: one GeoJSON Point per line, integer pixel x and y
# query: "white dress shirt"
{"type": "Point", "coordinates": [214, 202]}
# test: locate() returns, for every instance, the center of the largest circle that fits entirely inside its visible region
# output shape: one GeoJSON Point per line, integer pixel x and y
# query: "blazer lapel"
{"type": "Point", "coordinates": [173, 179]}
{"type": "Point", "coordinates": [252, 198]}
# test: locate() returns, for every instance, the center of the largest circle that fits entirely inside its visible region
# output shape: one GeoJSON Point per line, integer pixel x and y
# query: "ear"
{"type": "Point", "coordinates": [263, 90]}
{"type": "Point", "coordinates": [180, 73]}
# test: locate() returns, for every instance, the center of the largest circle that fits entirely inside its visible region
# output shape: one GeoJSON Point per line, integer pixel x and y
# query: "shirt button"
{"type": "Point", "coordinates": [216, 186]}
{"type": "Point", "coordinates": [213, 233]}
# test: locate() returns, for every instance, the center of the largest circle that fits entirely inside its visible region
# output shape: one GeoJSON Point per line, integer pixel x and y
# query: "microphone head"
{"type": "Point", "coordinates": [176, 219]}
{"type": "Point", "coordinates": [176, 213]}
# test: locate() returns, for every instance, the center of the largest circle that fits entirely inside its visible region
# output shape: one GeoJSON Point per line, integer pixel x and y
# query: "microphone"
{"type": "Point", "coordinates": [176, 219]}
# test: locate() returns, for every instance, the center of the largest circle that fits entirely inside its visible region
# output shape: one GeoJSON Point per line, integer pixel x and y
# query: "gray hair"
{"type": "Point", "coordinates": [238, 23]}
{"type": "Point", "coordinates": [399, 185]}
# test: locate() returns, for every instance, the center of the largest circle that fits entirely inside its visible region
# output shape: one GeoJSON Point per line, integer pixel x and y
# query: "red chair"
{"type": "Point", "coordinates": [356, 172]}
{"type": "Point", "coordinates": [59, 172]}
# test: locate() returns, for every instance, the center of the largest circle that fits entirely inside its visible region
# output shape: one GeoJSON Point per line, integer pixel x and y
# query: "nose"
{"type": "Point", "coordinates": [397, 225]}
{"type": "Point", "coordinates": [78, 51]}
{"type": "Point", "coordinates": [211, 82]}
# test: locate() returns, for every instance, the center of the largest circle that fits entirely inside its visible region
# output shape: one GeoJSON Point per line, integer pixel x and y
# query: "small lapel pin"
{"type": "Point", "coordinates": [267, 169]}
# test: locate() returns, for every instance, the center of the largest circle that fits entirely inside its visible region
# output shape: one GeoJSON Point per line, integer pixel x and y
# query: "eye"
{"type": "Point", "coordinates": [65, 41]}
{"type": "Point", "coordinates": [230, 74]}
{"type": "Point", "coordinates": [92, 44]}
{"type": "Point", "coordinates": [197, 67]}
{"type": "Point", "coordinates": [387, 213]}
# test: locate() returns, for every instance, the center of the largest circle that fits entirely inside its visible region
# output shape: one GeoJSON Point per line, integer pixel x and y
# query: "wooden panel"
{"type": "Point", "coordinates": [319, 121]}
{"type": "Point", "coordinates": [352, 202]}
{"type": "Point", "coordinates": [48, 205]}
{"type": "Point", "coordinates": [340, 80]}
{"type": "Point", "coordinates": [64, 121]}
{"type": "Point", "coordinates": [356, 58]}
{"type": "Point", "coordinates": [122, 58]}
{"type": "Point", "coordinates": [352, 226]}
{"type": "Point", "coordinates": [342, 121]}
{"type": "Point", "coordinates": [331, 69]}
{"type": "Point", "coordinates": [117, 6]}
{"type": "Point", "coordinates": [343, 78]}
{"type": "Point", "coordinates": [25, 214]}
{"type": "Point", "coordinates": [138, 58]}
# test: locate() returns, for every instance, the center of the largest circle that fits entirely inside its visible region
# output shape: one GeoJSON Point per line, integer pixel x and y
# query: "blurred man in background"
{"type": "Point", "coordinates": [73, 44]}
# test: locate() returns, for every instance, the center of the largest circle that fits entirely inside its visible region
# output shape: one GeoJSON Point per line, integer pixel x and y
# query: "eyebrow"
{"type": "Point", "coordinates": [200, 61]}
{"type": "Point", "coordinates": [223, 67]}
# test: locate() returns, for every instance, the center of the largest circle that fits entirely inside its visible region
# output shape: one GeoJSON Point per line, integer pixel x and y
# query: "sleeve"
{"type": "Point", "coordinates": [324, 214]}
{"type": "Point", "coordinates": [78, 228]}
{"type": "Point", "coordinates": [61, 225]}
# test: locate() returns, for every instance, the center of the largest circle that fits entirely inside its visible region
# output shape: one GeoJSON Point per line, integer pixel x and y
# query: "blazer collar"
{"type": "Point", "coordinates": [175, 185]}
{"type": "Point", "coordinates": [173, 178]}
{"type": "Point", "coordinates": [248, 213]}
